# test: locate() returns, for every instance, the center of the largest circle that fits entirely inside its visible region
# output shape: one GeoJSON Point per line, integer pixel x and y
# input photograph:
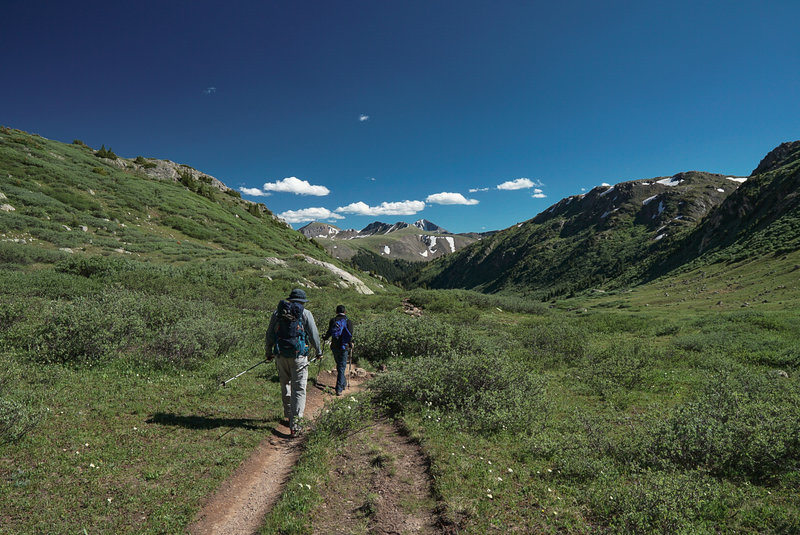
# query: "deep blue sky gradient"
{"type": "Point", "coordinates": [460, 94]}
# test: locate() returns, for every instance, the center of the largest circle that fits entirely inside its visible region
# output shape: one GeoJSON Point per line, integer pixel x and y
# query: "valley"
{"type": "Point", "coordinates": [625, 361]}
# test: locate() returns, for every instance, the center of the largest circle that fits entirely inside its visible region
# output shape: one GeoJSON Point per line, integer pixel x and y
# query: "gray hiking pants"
{"type": "Point", "coordinates": [293, 387]}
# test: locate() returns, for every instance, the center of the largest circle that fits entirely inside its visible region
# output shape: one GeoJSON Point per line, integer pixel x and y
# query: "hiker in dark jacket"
{"type": "Point", "coordinates": [340, 331]}
{"type": "Point", "coordinates": [292, 362]}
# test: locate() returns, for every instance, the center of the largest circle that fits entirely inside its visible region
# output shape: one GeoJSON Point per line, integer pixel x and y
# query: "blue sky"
{"type": "Point", "coordinates": [396, 110]}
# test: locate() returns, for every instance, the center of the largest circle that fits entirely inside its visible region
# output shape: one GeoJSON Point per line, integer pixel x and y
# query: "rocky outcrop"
{"type": "Point", "coordinates": [778, 157]}
{"type": "Point", "coordinates": [348, 279]}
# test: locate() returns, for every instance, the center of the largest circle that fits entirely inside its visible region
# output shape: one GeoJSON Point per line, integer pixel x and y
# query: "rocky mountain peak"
{"type": "Point", "coordinates": [428, 226]}
{"type": "Point", "coordinates": [778, 157]}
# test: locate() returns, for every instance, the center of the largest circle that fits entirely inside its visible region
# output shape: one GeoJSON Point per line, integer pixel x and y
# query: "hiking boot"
{"type": "Point", "coordinates": [338, 392]}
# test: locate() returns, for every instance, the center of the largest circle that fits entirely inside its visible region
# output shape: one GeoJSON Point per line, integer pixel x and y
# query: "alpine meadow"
{"type": "Point", "coordinates": [626, 361]}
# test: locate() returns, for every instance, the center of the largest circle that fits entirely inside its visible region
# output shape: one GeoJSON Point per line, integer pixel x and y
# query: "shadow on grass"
{"type": "Point", "coordinates": [204, 422]}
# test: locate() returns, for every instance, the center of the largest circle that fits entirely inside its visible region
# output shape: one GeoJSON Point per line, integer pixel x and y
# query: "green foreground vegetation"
{"type": "Point", "coordinates": [594, 422]}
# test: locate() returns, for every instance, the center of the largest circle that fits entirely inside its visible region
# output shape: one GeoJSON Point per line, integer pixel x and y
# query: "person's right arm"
{"type": "Point", "coordinates": [269, 338]}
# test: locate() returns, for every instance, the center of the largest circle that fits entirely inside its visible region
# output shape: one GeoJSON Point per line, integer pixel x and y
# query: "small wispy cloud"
{"type": "Point", "coordinates": [605, 184]}
{"type": "Point", "coordinates": [308, 214]}
{"type": "Point", "coordinates": [450, 198]}
{"type": "Point", "coordinates": [288, 185]}
{"type": "Point", "coordinates": [538, 194]}
{"type": "Point", "coordinates": [371, 178]}
{"type": "Point", "coordinates": [385, 208]}
{"type": "Point", "coordinates": [209, 90]}
{"type": "Point", "coordinates": [363, 117]}
{"type": "Point", "coordinates": [519, 183]}
{"type": "Point", "coordinates": [254, 192]}
{"type": "Point", "coordinates": [476, 190]}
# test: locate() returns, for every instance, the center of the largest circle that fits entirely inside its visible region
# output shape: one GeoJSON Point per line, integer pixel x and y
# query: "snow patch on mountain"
{"type": "Point", "coordinates": [672, 181]}
{"type": "Point", "coordinates": [739, 179]}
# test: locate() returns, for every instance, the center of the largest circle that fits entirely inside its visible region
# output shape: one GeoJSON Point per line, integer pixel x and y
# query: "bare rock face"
{"type": "Point", "coordinates": [347, 278]}
{"type": "Point", "coordinates": [7, 208]}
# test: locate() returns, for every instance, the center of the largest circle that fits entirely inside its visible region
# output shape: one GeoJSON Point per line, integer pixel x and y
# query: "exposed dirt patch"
{"type": "Point", "coordinates": [240, 504]}
{"type": "Point", "coordinates": [411, 309]}
{"type": "Point", "coordinates": [379, 484]}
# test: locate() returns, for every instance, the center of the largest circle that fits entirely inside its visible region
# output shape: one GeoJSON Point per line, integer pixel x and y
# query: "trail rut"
{"type": "Point", "coordinates": [244, 499]}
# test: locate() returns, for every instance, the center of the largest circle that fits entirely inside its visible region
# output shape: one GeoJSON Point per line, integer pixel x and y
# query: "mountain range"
{"type": "Point", "coordinates": [615, 236]}
{"type": "Point", "coordinates": [412, 242]}
{"type": "Point", "coordinates": [58, 200]}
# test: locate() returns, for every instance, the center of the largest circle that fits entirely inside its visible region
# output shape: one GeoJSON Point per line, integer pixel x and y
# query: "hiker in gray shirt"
{"type": "Point", "coordinates": [290, 335]}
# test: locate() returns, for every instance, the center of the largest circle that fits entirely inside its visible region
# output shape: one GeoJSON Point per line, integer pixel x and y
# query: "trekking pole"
{"type": "Point", "coordinates": [304, 366]}
{"type": "Point", "coordinates": [223, 383]}
{"type": "Point", "coordinates": [350, 362]}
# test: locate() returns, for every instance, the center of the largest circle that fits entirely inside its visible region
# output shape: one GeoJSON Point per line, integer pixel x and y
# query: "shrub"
{"type": "Point", "coordinates": [660, 502]}
{"type": "Point", "coordinates": [191, 340]}
{"type": "Point", "coordinates": [89, 266]}
{"type": "Point", "coordinates": [105, 153]}
{"type": "Point", "coordinates": [487, 395]}
{"type": "Point", "coordinates": [400, 336]}
{"type": "Point", "coordinates": [740, 425]}
{"type": "Point", "coordinates": [141, 160]}
{"type": "Point", "coordinates": [100, 171]}
{"type": "Point", "coordinates": [116, 323]}
{"type": "Point", "coordinates": [15, 420]}
{"type": "Point", "coordinates": [616, 369]}
{"type": "Point", "coordinates": [556, 342]}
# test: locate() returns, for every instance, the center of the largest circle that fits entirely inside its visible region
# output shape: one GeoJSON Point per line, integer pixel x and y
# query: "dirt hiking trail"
{"type": "Point", "coordinates": [243, 500]}
{"type": "Point", "coordinates": [379, 482]}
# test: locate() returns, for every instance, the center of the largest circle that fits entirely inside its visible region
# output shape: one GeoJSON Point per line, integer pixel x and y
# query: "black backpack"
{"type": "Point", "coordinates": [340, 334]}
{"type": "Point", "coordinates": [290, 334]}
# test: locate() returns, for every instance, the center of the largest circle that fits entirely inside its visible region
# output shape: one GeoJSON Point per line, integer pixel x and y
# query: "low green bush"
{"type": "Point", "coordinates": [621, 368]}
{"type": "Point", "coordinates": [16, 419]}
{"type": "Point", "coordinates": [157, 330]}
{"type": "Point", "coordinates": [741, 425]}
{"type": "Point", "coordinates": [400, 336]}
{"type": "Point", "coordinates": [554, 342]}
{"type": "Point", "coordinates": [487, 395]}
{"type": "Point", "coordinates": [689, 503]}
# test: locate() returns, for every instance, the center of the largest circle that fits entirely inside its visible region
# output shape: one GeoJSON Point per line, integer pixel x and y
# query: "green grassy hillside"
{"type": "Point", "coordinates": [610, 235]}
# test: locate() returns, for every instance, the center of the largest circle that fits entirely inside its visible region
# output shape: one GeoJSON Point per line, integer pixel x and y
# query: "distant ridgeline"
{"type": "Point", "coordinates": [634, 231]}
{"type": "Point", "coordinates": [64, 202]}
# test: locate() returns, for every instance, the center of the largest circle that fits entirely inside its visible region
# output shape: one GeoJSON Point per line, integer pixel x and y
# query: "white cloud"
{"type": "Point", "coordinates": [295, 185]}
{"type": "Point", "coordinates": [520, 183]}
{"type": "Point", "coordinates": [450, 198]}
{"type": "Point", "coordinates": [605, 184]}
{"type": "Point", "coordinates": [385, 208]}
{"type": "Point", "coordinates": [538, 194]}
{"type": "Point", "coordinates": [209, 90]}
{"type": "Point", "coordinates": [254, 192]}
{"type": "Point", "coordinates": [308, 214]}
{"type": "Point", "coordinates": [476, 190]}
{"type": "Point", "coordinates": [363, 118]}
